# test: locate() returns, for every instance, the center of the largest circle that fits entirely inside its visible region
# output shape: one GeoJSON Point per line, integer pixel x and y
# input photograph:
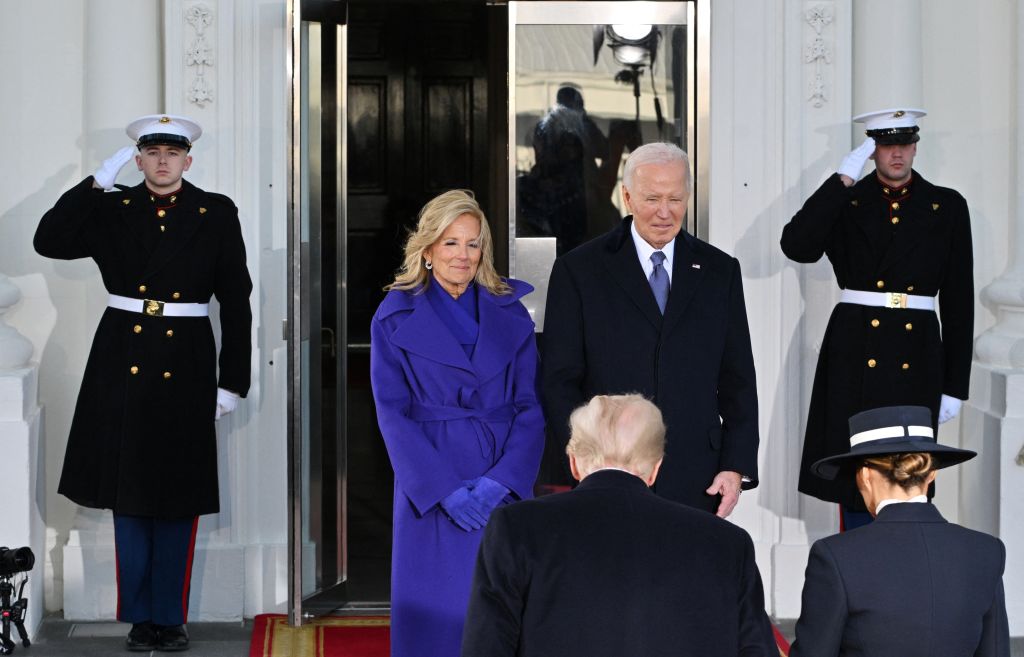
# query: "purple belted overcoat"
{"type": "Point", "coordinates": [446, 419]}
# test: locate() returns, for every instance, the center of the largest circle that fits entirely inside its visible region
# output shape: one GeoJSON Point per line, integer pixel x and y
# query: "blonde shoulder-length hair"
{"type": "Point", "coordinates": [436, 216]}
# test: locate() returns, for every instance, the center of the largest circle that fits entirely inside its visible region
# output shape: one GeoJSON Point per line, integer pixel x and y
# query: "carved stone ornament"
{"type": "Point", "coordinates": [818, 51]}
{"type": "Point", "coordinates": [199, 54]}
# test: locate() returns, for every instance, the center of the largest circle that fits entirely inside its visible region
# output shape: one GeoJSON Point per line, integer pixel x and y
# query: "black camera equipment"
{"type": "Point", "coordinates": [12, 562]}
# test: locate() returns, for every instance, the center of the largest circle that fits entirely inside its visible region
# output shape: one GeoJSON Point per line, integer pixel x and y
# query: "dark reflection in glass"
{"type": "Point", "coordinates": [573, 136]}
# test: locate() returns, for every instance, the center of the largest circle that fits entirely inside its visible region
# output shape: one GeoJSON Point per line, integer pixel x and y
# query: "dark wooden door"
{"type": "Point", "coordinates": [417, 119]}
{"type": "Point", "coordinates": [417, 125]}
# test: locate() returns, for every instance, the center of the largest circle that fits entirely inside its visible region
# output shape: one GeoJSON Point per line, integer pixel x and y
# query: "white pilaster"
{"type": "Point", "coordinates": [814, 136]}
{"type": "Point", "coordinates": [123, 78]}
{"type": "Point", "coordinates": [991, 497]}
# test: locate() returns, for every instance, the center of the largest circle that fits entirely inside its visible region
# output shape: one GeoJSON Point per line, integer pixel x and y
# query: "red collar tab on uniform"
{"type": "Point", "coordinates": [895, 193]}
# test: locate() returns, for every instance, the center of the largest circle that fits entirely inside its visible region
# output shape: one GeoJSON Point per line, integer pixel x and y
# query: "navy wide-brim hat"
{"type": "Point", "coordinates": [891, 430]}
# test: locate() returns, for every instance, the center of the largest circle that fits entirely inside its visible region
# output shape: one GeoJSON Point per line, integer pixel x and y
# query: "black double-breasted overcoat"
{"type": "Point", "coordinates": [142, 440]}
{"type": "Point", "coordinates": [914, 240]}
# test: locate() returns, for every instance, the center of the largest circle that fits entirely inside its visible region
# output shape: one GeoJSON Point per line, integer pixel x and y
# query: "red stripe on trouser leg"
{"type": "Point", "coordinates": [187, 585]}
{"type": "Point", "coordinates": [117, 581]}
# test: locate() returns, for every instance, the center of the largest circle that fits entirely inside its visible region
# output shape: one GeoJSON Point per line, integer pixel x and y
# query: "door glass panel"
{"type": "Point", "coordinates": [311, 216]}
{"type": "Point", "coordinates": [591, 82]}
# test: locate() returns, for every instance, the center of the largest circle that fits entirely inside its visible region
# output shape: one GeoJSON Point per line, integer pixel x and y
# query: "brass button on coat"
{"type": "Point", "coordinates": [879, 284]}
{"type": "Point", "coordinates": [895, 205]}
{"type": "Point", "coordinates": [137, 328]}
{"type": "Point", "coordinates": [908, 326]}
{"type": "Point", "coordinates": [875, 323]}
{"type": "Point", "coordinates": [170, 333]}
{"type": "Point", "coordinates": [142, 288]}
{"type": "Point", "coordinates": [161, 213]}
{"type": "Point", "coordinates": [906, 366]}
{"type": "Point", "coordinates": [176, 295]}
{"type": "Point", "coordinates": [167, 375]}
{"type": "Point", "coordinates": [895, 220]}
{"type": "Point", "coordinates": [910, 288]}
{"type": "Point", "coordinates": [872, 362]}
{"type": "Point", "coordinates": [134, 369]}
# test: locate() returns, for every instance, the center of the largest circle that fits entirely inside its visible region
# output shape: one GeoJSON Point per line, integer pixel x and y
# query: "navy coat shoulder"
{"type": "Point", "coordinates": [604, 334]}
{"type": "Point", "coordinates": [882, 240]}
{"type": "Point", "coordinates": [611, 569]}
{"type": "Point", "coordinates": [446, 419]}
{"type": "Point", "coordinates": [909, 584]}
{"type": "Point", "coordinates": [142, 441]}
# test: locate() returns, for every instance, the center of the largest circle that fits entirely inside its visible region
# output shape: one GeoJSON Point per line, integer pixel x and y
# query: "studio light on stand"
{"type": "Point", "coordinates": [635, 47]}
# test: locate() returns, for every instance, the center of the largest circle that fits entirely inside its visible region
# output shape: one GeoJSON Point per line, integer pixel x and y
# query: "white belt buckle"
{"type": "Point", "coordinates": [895, 300]}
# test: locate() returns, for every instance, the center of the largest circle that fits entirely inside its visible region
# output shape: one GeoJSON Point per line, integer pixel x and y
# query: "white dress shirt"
{"type": "Point", "coordinates": [644, 251]}
{"type": "Point", "coordinates": [917, 499]}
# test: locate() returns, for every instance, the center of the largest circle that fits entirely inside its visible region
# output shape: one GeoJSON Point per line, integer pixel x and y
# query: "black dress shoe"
{"type": "Point", "coordinates": [141, 638]}
{"type": "Point", "coordinates": [172, 638]}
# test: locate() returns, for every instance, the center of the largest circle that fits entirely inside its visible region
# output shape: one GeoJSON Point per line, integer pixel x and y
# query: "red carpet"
{"type": "Point", "coordinates": [354, 636]}
{"type": "Point", "coordinates": [331, 636]}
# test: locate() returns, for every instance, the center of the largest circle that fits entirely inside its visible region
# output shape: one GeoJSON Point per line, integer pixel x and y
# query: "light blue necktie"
{"type": "Point", "coordinates": [659, 280]}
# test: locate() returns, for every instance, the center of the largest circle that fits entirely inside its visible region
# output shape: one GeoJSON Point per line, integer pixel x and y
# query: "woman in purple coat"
{"type": "Point", "coordinates": [453, 365]}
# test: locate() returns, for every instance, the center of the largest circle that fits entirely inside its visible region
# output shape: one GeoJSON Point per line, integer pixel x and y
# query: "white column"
{"type": "Point", "coordinates": [123, 75]}
{"type": "Point", "coordinates": [21, 448]}
{"type": "Point", "coordinates": [992, 497]}
{"type": "Point", "coordinates": [887, 69]}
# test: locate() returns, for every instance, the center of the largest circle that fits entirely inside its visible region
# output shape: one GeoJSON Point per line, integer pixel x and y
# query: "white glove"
{"type": "Point", "coordinates": [948, 408]}
{"type": "Point", "coordinates": [854, 163]}
{"type": "Point", "coordinates": [227, 401]}
{"type": "Point", "coordinates": [107, 173]}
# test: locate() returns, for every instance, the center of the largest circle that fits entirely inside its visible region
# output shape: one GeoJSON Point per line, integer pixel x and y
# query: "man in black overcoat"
{"type": "Point", "coordinates": [610, 568]}
{"type": "Point", "coordinates": [142, 440]}
{"type": "Point", "coordinates": [896, 243]}
{"type": "Point", "coordinates": [649, 308]}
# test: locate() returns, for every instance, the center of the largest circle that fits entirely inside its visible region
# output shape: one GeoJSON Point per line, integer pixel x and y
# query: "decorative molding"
{"type": "Point", "coordinates": [199, 54]}
{"type": "Point", "coordinates": [818, 51]}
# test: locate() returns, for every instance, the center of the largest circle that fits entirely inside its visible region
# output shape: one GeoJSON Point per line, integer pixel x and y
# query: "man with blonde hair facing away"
{"type": "Point", "coordinates": [610, 568]}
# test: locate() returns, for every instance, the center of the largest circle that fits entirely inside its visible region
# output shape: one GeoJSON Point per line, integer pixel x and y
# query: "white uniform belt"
{"type": "Point", "coordinates": [155, 308]}
{"type": "Point", "coordinates": [888, 299]}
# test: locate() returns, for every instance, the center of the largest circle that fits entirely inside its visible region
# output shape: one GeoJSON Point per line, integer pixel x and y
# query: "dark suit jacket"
{"type": "Point", "coordinates": [604, 334]}
{"type": "Point", "coordinates": [612, 569]}
{"type": "Point", "coordinates": [909, 584]}
{"type": "Point", "coordinates": [143, 442]}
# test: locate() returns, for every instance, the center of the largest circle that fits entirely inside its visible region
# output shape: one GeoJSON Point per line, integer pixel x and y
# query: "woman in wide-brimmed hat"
{"type": "Point", "coordinates": [909, 584]}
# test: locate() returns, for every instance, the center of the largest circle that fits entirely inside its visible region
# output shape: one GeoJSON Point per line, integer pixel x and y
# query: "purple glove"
{"type": "Point", "coordinates": [464, 510]}
{"type": "Point", "coordinates": [489, 493]}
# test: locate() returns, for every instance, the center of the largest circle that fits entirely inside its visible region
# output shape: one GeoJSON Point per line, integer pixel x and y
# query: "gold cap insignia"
{"type": "Point", "coordinates": [126, 201]}
{"type": "Point", "coordinates": [898, 114]}
{"type": "Point", "coordinates": [165, 119]}
{"type": "Point", "coordinates": [935, 206]}
{"type": "Point", "coordinates": [202, 210]}
{"type": "Point", "coordinates": [854, 202]}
